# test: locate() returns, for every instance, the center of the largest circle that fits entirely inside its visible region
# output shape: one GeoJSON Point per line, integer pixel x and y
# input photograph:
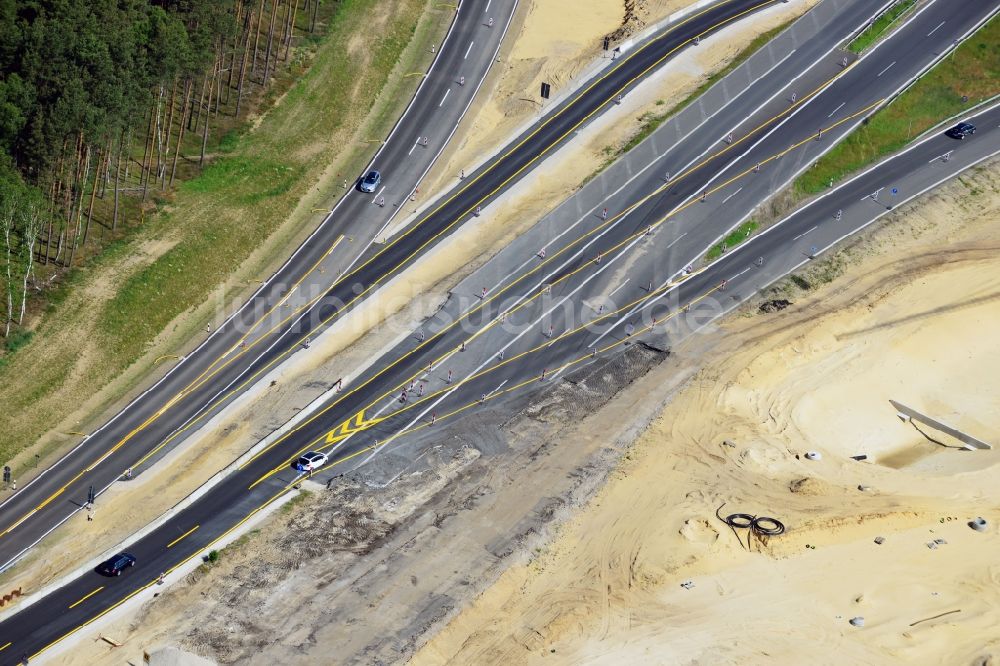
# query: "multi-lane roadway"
{"type": "Point", "coordinates": [232, 358]}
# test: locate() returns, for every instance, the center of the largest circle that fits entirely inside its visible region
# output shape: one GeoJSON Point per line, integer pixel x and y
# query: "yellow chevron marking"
{"type": "Point", "coordinates": [357, 423]}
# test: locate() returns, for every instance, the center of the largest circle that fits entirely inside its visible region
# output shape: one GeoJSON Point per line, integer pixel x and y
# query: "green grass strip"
{"type": "Point", "coordinates": [970, 75]}
{"type": "Point", "coordinates": [735, 237]}
{"type": "Point", "coordinates": [880, 27]}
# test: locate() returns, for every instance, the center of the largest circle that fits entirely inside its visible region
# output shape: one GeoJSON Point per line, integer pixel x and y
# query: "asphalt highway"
{"type": "Point", "coordinates": [449, 369]}
{"type": "Point", "coordinates": [299, 300]}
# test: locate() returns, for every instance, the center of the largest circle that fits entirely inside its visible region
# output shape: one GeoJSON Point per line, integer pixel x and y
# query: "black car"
{"type": "Point", "coordinates": [961, 130]}
{"type": "Point", "coordinates": [116, 564]}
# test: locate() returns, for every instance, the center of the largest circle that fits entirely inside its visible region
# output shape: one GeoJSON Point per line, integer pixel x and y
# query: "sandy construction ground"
{"type": "Point", "coordinates": [912, 319]}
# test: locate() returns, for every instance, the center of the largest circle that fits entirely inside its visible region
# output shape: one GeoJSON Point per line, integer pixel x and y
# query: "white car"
{"type": "Point", "coordinates": [311, 461]}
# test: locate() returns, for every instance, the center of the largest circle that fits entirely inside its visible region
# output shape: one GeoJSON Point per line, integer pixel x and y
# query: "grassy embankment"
{"type": "Point", "coordinates": [147, 295]}
{"type": "Point", "coordinates": [966, 77]}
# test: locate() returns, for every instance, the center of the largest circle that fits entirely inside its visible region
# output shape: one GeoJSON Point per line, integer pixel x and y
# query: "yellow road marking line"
{"type": "Point", "coordinates": [8, 644]}
{"type": "Point", "coordinates": [524, 383]}
{"type": "Point", "coordinates": [501, 364]}
{"type": "Point", "coordinates": [337, 434]}
{"type": "Point", "coordinates": [153, 582]}
{"type": "Point", "coordinates": [171, 544]}
{"type": "Point", "coordinates": [84, 598]}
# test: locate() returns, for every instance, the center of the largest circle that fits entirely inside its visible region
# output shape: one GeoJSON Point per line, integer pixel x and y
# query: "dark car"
{"type": "Point", "coordinates": [961, 130]}
{"type": "Point", "coordinates": [370, 182]}
{"type": "Point", "coordinates": [117, 564]}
